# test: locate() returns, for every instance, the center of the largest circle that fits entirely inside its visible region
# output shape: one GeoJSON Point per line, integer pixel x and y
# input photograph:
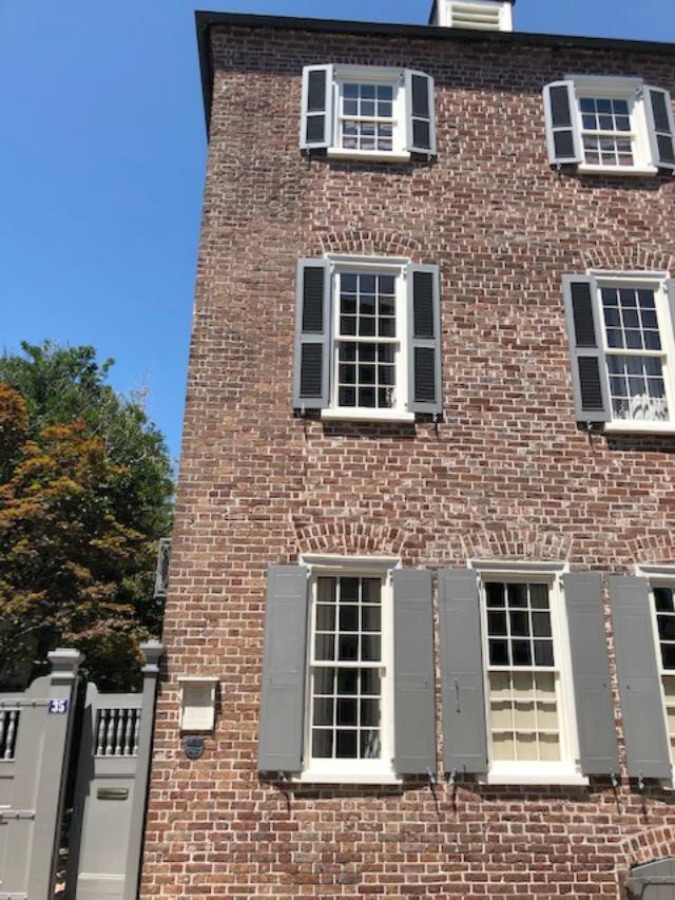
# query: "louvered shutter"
{"type": "Point", "coordinates": [661, 128]}
{"type": "Point", "coordinates": [420, 120]}
{"type": "Point", "coordinates": [642, 710]}
{"type": "Point", "coordinates": [311, 386]}
{"type": "Point", "coordinates": [463, 688]}
{"type": "Point", "coordinates": [424, 340]}
{"type": "Point", "coordinates": [316, 121]}
{"type": "Point", "coordinates": [562, 129]}
{"type": "Point", "coordinates": [414, 718]}
{"type": "Point", "coordinates": [590, 670]}
{"type": "Point", "coordinates": [280, 735]}
{"type": "Point", "coordinates": [589, 368]}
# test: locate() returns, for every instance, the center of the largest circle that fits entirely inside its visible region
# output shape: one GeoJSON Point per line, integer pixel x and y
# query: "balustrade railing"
{"type": "Point", "coordinates": [117, 732]}
{"type": "Point", "coordinates": [9, 729]}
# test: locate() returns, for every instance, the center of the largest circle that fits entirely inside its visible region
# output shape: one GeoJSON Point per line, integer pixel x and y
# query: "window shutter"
{"type": "Point", "coordinates": [420, 127]}
{"type": "Point", "coordinates": [590, 670]}
{"type": "Point", "coordinates": [463, 686]}
{"type": "Point", "coordinates": [639, 684]}
{"type": "Point", "coordinates": [414, 705]}
{"type": "Point", "coordinates": [280, 736]}
{"type": "Point", "coordinates": [316, 122]}
{"type": "Point", "coordinates": [562, 130]}
{"type": "Point", "coordinates": [661, 129]}
{"type": "Point", "coordinates": [424, 340]}
{"type": "Point", "coordinates": [312, 335]}
{"type": "Point", "coordinates": [589, 369]}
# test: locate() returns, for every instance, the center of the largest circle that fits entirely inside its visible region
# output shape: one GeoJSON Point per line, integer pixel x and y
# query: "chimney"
{"type": "Point", "coordinates": [481, 15]}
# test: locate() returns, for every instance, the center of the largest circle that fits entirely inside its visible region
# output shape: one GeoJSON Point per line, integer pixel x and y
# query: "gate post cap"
{"type": "Point", "coordinates": [64, 661]}
{"type": "Point", "coordinates": [152, 651]}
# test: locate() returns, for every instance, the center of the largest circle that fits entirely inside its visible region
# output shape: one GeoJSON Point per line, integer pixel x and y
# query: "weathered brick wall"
{"type": "Point", "coordinates": [506, 474]}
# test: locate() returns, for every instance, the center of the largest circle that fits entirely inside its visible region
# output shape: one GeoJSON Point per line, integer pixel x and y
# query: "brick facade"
{"type": "Point", "coordinates": [505, 475]}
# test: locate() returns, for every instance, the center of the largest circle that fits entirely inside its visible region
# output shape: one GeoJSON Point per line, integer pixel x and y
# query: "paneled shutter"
{"type": "Point", "coordinates": [311, 379]}
{"type": "Point", "coordinates": [589, 368]}
{"type": "Point", "coordinates": [414, 718]}
{"type": "Point", "coordinates": [639, 683]}
{"type": "Point", "coordinates": [562, 130]}
{"type": "Point", "coordinates": [661, 128]}
{"type": "Point", "coordinates": [464, 730]}
{"type": "Point", "coordinates": [316, 121]}
{"type": "Point", "coordinates": [590, 671]}
{"type": "Point", "coordinates": [424, 339]}
{"type": "Point", "coordinates": [420, 120]}
{"type": "Point", "coordinates": [280, 736]}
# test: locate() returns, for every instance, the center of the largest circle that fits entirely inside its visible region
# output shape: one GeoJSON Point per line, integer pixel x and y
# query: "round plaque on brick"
{"type": "Point", "coordinates": [194, 747]}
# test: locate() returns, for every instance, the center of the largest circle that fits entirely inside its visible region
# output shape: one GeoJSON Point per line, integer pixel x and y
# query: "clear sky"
{"type": "Point", "coordinates": [102, 144]}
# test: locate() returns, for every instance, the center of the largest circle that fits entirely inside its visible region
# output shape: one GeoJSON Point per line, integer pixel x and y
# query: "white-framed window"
{"type": "Point", "coordinates": [367, 112]}
{"type": "Point", "coordinates": [349, 716]}
{"type": "Point", "coordinates": [530, 712]}
{"type": "Point", "coordinates": [622, 341]}
{"type": "Point", "coordinates": [367, 338]}
{"type": "Point", "coordinates": [609, 125]}
{"type": "Point", "coordinates": [662, 610]}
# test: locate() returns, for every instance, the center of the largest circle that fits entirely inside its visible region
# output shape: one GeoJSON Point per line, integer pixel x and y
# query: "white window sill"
{"type": "Point", "coordinates": [639, 427]}
{"type": "Point", "coordinates": [316, 776]}
{"type": "Point", "coordinates": [367, 415]}
{"type": "Point", "coordinates": [584, 169]}
{"type": "Point", "coordinates": [516, 776]}
{"type": "Point", "coordinates": [374, 155]}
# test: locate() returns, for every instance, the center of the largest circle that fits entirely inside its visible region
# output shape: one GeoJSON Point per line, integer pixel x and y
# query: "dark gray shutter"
{"type": "Point", "coordinates": [414, 718]}
{"type": "Point", "coordinates": [589, 369]}
{"type": "Point", "coordinates": [311, 388]}
{"type": "Point", "coordinates": [562, 130]}
{"type": "Point", "coordinates": [281, 732]}
{"type": "Point", "coordinates": [424, 340]}
{"type": "Point", "coordinates": [590, 671]}
{"type": "Point", "coordinates": [660, 119]}
{"type": "Point", "coordinates": [420, 120]}
{"type": "Point", "coordinates": [316, 121]}
{"type": "Point", "coordinates": [639, 683]}
{"type": "Point", "coordinates": [464, 729]}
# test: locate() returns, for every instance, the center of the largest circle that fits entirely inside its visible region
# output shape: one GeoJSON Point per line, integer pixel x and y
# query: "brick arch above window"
{"type": "Point", "coordinates": [350, 538]}
{"type": "Point", "coordinates": [366, 242]}
{"type": "Point", "coordinates": [653, 550]}
{"type": "Point", "coordinates": [517, 543]}
{"type": "Point", "coordinates": [646, 846]}
{"type": "Point", "coordinates": [626, 258]}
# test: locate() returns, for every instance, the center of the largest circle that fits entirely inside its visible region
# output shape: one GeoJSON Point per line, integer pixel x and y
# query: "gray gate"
{"type": "Point", "coordinates": [111, 787]}
{"type": "Point", "coordinates": [35, 731]}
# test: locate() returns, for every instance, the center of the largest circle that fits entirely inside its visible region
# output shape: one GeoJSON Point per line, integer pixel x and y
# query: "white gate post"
{"type": "Point", "coordinates": [49, 796]}
{"type": "Point", "coordinates": [153, 651]}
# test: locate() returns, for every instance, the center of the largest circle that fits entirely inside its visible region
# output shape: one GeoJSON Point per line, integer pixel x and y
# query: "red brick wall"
{"type": "Point", "coordinates": [506, 474]}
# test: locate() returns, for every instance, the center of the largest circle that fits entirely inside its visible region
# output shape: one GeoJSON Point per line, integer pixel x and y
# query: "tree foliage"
{"type": "Point", "coordinates": [85, 490]}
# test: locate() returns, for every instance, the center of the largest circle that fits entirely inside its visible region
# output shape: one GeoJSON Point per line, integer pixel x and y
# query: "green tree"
{"type": "Point", "coordinates": [85, 492]}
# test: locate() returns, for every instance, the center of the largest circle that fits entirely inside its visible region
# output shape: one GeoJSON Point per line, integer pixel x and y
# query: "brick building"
{"type": "Point", "coordinates": [421, 609]}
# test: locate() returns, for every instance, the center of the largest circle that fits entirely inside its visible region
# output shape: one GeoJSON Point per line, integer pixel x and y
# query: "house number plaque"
{"type": "Point", "coordinates": [194, 747]}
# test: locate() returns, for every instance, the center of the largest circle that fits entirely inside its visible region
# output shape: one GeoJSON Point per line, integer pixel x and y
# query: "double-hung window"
{"type": "Point", "coordinates": [663, 611]}
{"type": "Point", "coordinates": [367, 339]}
{"type": "Point", "coordinates": [608, 125]}
{"type": "Point", "coordinates": [348, 671]}
{"type": "Point", "coordinates": [366, 112]}
{"type": "Point", "coordinates": [622, 345]}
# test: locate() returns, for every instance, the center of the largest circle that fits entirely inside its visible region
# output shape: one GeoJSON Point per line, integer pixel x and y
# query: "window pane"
{"type": "Point", "coordinates": [325, 618]}
{"type": "Point", "coordinates": [348, 647]}
{"type": "Point", "coordinates": [663, 598]}
{"type": "Point", "coordinates": [322, 744]}
{"type": "Point", "coordinates": [324, 647]}
{"type": "Point", "coordinates": [522, 653]}
{"type": "Point", "coordinates": [494, 592]}
{"type": "Point", "coordinates": [346, 744]}
{"type": "Point", "coordinates": [499, 654]}
{"type": "Point", "coordinates": [324, 681]}
{"type": "Point", "coordinates": [348, 681]}
{"type": "Point", "coordinates": [496, 623]}
{"type": "Point", "coordinates": [349, 618]}
{"type": "Point", "coordinates": [323, 711]}
{"type": "Point", "coordinates": [346, 712]}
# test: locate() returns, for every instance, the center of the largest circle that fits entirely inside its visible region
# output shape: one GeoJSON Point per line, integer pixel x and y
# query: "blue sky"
{"type": "Point", "coordinates": [103, 149]}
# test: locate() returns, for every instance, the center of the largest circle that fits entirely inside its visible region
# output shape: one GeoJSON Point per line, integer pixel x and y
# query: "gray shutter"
{"type": "Point", "coordinates": [316, 121]}
{"type": "Point", "coordinates": [281, 732]}
{"type": "Point", "coordinates": [464, 729]}
{"type": "Point", "coordinates": [562, 130]}
{"type": "Point", "coordinates": [590, 670]}
{"type": "Point", "coordinates": [424, 340]}
{"type": "Point", "coordinates": [420, 126]}
{"type": "Point", "coordinates": [311, 388]}
{"type": "Point", "coordinates": [661, 129]}
{"type": "Point", "coordinates": [639, 683]}
{"type": "Point", "coordinates": [414, 705]}
{"type": "Point", "coordinates": [589, 368]}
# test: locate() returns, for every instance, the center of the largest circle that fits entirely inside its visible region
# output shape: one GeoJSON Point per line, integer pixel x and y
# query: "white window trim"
{"type": "Point", "coordinates": [567, 770]}
{"type": "Point", "coordinates": [393, 265]}
{"type": "Point", "coordinates": [357, 771]}
{"type": "Point", "coordinates": [656, 281]}
{"type": "Point", "coordinates": [659, 575]}
{"type": "Point", "coordinates": [374, 75]}
{"type": "Point", "coordinates": [629, 88]}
